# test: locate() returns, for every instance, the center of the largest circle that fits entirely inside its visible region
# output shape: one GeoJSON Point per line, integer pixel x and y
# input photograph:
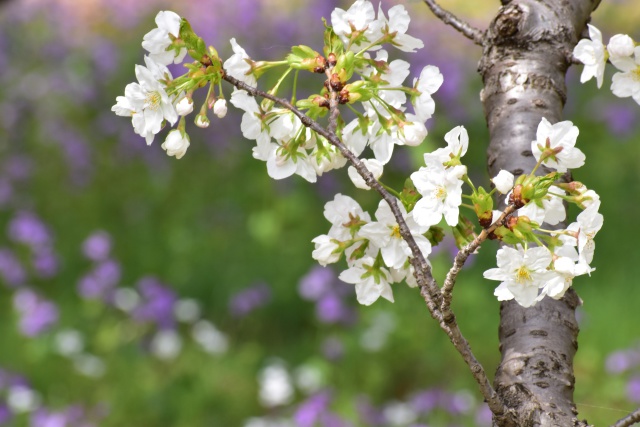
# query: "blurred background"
{"type": "Point", "coordinates": [137, 290]}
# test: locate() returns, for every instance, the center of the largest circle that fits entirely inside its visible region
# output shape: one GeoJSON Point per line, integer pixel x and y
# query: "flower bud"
{"type": "Point", "coordinates": [503, 181]}
{"type": "Point", "coordinates": [202, 121]}
{"type": "Point", "coordinates": [184, 106]}
{"type": "Point", "coordinates": [220, 108]}
{"type": "Point", "coordinates": [620, 45]}
{"type": "Point", "coordinates": [176, 143]}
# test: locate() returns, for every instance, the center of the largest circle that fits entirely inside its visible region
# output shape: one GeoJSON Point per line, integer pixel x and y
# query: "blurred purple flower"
{"type": "Point", "coordinates": [105, 57]}
{"type": "Point", "coordinates": [633, 389]}
{"type": "Point", "coordinates": [100, 282]}
{"type": "Point", "coordinates": [37, 314]}
{"type": "Point", "coordinates": [45, 263]}
{"type": "Point", "coordinates": [424, 402]}
{"type": "Point", "coordinates": [11, 271]}
{"type": "Point", "coordinates": [618, 362]}
{"type": "Point", "coordinates": [316, 283]}
{"type": "Point", "coordinates": [484, 416]}
{"type": "Point", "coordinates": [331, 309]}
{"type": "Point", "coordinates": [332, 349]}
{"type": "Point", "coordinates": [621, 119]}
{"type": "Point", "coordinates": [5, 414]}
{"type": "Point", "coordinates": [249, 299]}
{"type": "Point", "coordinates": [369, 414]}
{"type": "Point", "coordinates": [156, 304]}
{"type": "Point", "coordinates": [27, 228]}
{"type": "Point", "coordinates": [44, 418]}
{"type": "Point", "coordinates": [18, 167]}
{"type": "Point", "coordinates": [309, 412]}
{"type": "Point", "coordinates": [459, 403]}
{"type": "Point", "coordinates": [97, 246]}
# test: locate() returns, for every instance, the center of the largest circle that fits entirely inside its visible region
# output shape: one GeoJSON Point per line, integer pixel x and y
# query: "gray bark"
{"type": "Point", "coordinates": [523, 67]}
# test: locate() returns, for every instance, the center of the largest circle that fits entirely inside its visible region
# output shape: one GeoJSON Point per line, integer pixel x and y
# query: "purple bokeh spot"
{"type": "Point", "coordinates": [11, 270]}
{"type": "Point", "coordinates": [247, 300]}
{"type": "Point", "coordinates": [27, 228]}
{"type": "Point", "coordinates": [316, 283]}
{"type": "Point", "coordinates": [100, 282]}
{"type": "Point", "coordinates": [310, 411]}
{"type": "Point", "coordinates": [37, 314]}
{"type": "Point", "coordinates": [633, 389]}
{"type": "Point", "coordinates": [157, 303]}
{"type": "Point", "coordinates": [5, 414]}
{"type": "Point", "coordinates": [97, 246]}
{"type": "Point", "coordinates": [45, 263]}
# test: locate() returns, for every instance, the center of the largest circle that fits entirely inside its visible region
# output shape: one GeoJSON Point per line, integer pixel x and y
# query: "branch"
{"type": "Point", "coordinates": [629, 420]}
{"type": "Point", "coordinates": [423, 271]}
{"type": "Point", "coordinates": [459, 25]}
{"type": "Point", "coordinates": [463, 254]}
{"type": "Point", "coordinates": [429, 289]}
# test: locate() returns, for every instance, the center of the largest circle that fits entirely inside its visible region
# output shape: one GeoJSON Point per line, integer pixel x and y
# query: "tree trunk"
{"type": "Point", "coordinates": [523, 68]}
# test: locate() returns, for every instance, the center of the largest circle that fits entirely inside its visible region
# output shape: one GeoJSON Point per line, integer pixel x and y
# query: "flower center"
{"type": "Point", "coordinates": [153, 100]}
{"type": "Point", "coordinates": [395, 231]}
{"type": "Point", "coordinates": [523, 275]}
{"type": "Point", "coordinates": [440, 193]}
{"type": "Point", "coordinates": [635, 74]}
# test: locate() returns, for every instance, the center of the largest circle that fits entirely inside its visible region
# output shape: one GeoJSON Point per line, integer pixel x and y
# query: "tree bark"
{"type": "Point", "coordinates": [526, 55]}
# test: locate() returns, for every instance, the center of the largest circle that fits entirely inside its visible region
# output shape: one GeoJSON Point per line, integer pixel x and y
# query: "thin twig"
{"type": "Point", "coordinates": [449, 18]}
{"type": "Point", "coordinates": [334, 111]}
{"type": "Point", "coordinates": [423, 271]}
{"type": "Point", "coordinates": [463, 254]}
{"type": "Point", "coordinates": [428, 286]}
{"type": "Point", "coordinates": [629, 420]}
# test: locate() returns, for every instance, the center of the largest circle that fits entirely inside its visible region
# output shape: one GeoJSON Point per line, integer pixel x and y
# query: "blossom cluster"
{"type": "Point", "coordinates": [157, 98]}
{"type": "Point", "coordinates": [357, 72]}
{"type": "Point", "coordinates": [621, 51]}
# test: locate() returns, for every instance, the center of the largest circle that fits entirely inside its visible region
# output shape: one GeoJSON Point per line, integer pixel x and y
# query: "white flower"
{"type": "Point", "coordinates": [359, 18]}
{"type": "Point", "coordinates": [591, 54]}
{"type": "Point", "coordinates": [354, 137]}
{"type": "Point", "coordinates": [549, 209]}
{"type": "Point", "coordinates": [441, 191]}
{"type": "Point", "coordinates": [620, 49]}
{"type": "Point", "coordinates": [503, 181]}
{"type": "Point", "coordinates": [184, 106]}
{"type": "Point", "coordinates": [521, 272]}
{"type": "Point", "coordinates": [385, 233]}
{"type": "Point", "coordinates": [627, 83]}
{"type": "Point", "coordinates": [371, 282]}
{"type": "Point", "coordinates": [147, 101]}
{"type": "Point", "coordinates": [202, 121]}
{"type": "Point", "coordinates": [343, 212]}
{"type": "Point", "coordinates": [326, 250]}
{"type": "Point", "coordinates": [158, 40]}
{"type": "Point", "coordinates": [427, 84]}
{"type": "Point", "coordinates": [220, 108]}
{"type": "Point", "coordinates": [561, 277]}
{"type": "Point", "coordinates": [397, 25]}
{"type": "Point", "coordinates": [589, 223]}
{"type": "Point", "coordinates": [374, 166]}
{"type": "Point", "coordinates": [176, 144]}
{"type": "Point", "coordinates": [252, 125]}
{"type": "Point", "coordinates": [239, 65]}
{"type": "Point", "coordinates": [413, 131]}
{"type": "Point", "coordinates": [457, 141]}
{"type": "Point", "coordinates": [560, 137]}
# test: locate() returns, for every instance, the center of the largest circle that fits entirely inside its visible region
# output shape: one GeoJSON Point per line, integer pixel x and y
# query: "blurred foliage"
{"type": "Point", "coordinates": [213, 224]}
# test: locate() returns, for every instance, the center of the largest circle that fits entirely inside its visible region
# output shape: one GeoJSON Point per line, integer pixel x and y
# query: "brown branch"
{"type": "Point", "coordinates": [463, 254]}
{"type": "Point", "coordinates": [459, 25]}
{"type": "Point", "coordinates": [629, 420]}
{"type": "Point", "coordinates": [429, 289]}
{"type": "Point", "coordinates": [334, 111]}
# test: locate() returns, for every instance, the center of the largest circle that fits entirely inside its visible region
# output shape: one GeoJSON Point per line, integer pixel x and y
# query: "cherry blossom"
{"type": "Point", "coordinates": [158, 41]}
{"type": "Point", "coordinates": [592, 54]}
{"type": "Point", "coordinates": [521, 272]}
{"type": "Point", "coordinates": [561, 138]}
{"type": "Point", "coordinates": [371, 282]}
